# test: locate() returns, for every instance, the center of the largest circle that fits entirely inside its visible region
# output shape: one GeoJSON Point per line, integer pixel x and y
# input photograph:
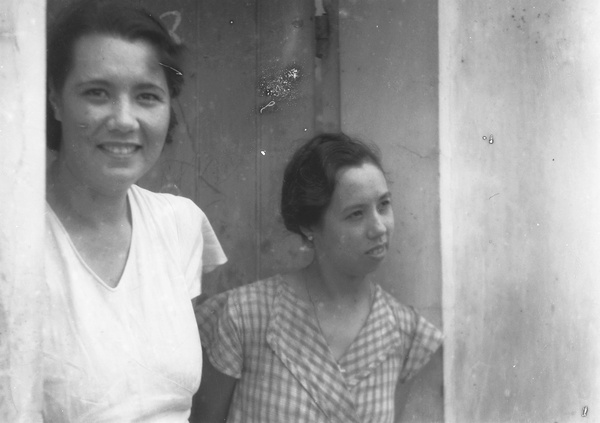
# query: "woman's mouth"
{"type": "Point", "coordinates": [377, 252]}
{"type": "Point", "coordinates": [119, 149]}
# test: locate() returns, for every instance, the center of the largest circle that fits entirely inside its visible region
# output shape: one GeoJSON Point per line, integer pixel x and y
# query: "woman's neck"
{"type": "Point", "coordinates": [335, 287]}
{"type": "Point", "coordinates": [74, 200]}
{"type": "Point", "coordinates": [341, 305]}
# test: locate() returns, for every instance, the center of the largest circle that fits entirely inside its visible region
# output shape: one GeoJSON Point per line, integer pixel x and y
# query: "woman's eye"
{"type": "Point", "coordinates": [150, 97]}
{"type": "Point", "coordinates": [96, 93]}
{"type": "Point", "coordinates": [355, 215]}
{"type": "Point", "coordinates": [385, 204]}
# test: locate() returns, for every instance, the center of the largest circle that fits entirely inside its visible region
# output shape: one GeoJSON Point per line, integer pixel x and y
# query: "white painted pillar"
{"type": "Point", "coordinates": [22, 169]}
{"type": "Point", "coordinates": [520, 215]}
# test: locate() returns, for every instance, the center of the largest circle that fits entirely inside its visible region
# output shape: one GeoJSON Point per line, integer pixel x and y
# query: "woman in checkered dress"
{"type": "Point", "coordinates": [322, 344]}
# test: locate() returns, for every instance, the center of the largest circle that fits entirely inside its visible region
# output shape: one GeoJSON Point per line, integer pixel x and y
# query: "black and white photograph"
{"type": "Point", "coordinates": [311, 211]}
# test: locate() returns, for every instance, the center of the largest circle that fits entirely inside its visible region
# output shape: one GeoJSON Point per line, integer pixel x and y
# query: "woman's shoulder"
{"type": "Point", "coordinates": [157, 200]}
{"type": "Point", "coordinates": [398, 309]}
{"type": "Point", "coordinates": [256, 294]}
{"type": "Point", "coordinates": [248, 296]}
{"type": "Point", "coordinates": [412, 323]}
{"type": "Point", "coordinates": [169, 213]}
{"type": "Point", "coordinates": [405, 317]}
{"type": "Point", "coordinates": [249, 303]}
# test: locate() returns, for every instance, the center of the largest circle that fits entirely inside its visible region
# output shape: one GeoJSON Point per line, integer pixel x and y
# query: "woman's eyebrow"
{"type": "Point", "coordinates": [92, 81]}
{"type": "Point", "coordinates": [357, 205]}
{"type": "Point", "coordinates": [149, 85]}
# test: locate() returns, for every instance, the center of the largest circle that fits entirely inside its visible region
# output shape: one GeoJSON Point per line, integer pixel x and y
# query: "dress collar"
{"type": "Point", "coordinates": [294, 336]}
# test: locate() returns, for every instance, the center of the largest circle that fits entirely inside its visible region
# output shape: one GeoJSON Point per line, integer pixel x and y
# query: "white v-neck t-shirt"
{"type": "Point", "coordinates": [132, 352]}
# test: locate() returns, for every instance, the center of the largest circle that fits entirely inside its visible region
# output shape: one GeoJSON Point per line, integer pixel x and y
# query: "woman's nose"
{"type": "Point", "coordinates": [123, 116]}
{"type": "Point", "coordinates": [377, 226]}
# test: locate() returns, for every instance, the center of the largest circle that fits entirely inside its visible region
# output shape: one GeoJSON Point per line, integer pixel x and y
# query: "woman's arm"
{"type": "Point", "coordinates": [421, 398]}
{"type": "Point", "coordinates": [211, 402]}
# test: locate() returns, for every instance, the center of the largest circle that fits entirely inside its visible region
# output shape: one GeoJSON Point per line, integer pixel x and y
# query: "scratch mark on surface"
{"type": "Point", "coordinates": [177, 72]}
{"type": "Point", "coordinates": [269, 104]}
{"type": "Point", "coordinates": [281, 85]}
{"type": "Point", "coordinates": [494, 195]}
{"type": "Point", "coordinates": [403, 147]}
{"type": "Point", "coordinates": [176, 14]}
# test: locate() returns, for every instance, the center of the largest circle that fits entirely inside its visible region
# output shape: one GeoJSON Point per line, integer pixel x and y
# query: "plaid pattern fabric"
{"type": "Point", "coordinates": [269, 339]}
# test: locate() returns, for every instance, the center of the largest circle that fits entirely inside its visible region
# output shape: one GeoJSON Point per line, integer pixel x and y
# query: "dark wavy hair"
{"type": "Point", "coordinates": [309, 179]}
{"type": "Point", "coordinates": [118, 18]}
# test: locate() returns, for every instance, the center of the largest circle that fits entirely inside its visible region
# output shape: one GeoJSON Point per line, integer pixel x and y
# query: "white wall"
{"type": "Point", "coordinates": [520, 217]}
{"type": "Point", "coordinates": [22, 141]}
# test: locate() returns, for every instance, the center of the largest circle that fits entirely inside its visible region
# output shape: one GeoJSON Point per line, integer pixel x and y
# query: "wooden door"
{"type": "Point", "coordinates": [248, 98]}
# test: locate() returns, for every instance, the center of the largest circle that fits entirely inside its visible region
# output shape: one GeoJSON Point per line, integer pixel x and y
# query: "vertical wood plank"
{"type": "Point", "coordinates": [227, 131]}
{"type": "Point", "coordinates": [251, 97]}
{"type": "Point", "coordinates": [214, 156]}
{"type": "Point", "coordinates": [285, 115]}
{"type": "Point", "coordinates": [22, 146]}
{"type": "Point", "coordinates": [327, 67]}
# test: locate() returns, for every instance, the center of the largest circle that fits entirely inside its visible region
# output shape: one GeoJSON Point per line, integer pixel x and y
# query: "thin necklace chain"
{"type": "Point", "coordinates": [314, 306]}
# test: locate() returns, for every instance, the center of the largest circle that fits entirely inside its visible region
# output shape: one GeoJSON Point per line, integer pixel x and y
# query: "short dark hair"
{"type": "Point", "coordinates": [309, 179]}
{"type": "Point", "coordinates": [111, 17]}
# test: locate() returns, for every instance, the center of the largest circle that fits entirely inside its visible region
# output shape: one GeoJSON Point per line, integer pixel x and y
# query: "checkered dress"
{"type": "Point", "coordinates": [269, 339]}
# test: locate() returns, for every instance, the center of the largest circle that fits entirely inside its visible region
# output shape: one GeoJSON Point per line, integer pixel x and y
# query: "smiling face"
{"type": "Point", "coordinates": [354, 233]}
{"type": "Point", "coordinates": [114, 109]}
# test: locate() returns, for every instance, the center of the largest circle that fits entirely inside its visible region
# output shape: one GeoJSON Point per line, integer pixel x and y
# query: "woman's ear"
{"type": "Point", "coordinates": [54, 100]}
{"type": "Point", "coordinates": [308, 234]}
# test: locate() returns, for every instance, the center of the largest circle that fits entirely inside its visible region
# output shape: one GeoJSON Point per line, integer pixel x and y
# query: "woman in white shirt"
{"type": "Point", "coordinates": [122, 263]}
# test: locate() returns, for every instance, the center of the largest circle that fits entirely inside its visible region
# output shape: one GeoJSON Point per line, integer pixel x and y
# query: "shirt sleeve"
{"type": "Point", "coordinates": [212, 254]}
{"type": "Point", "coordinates": [200, 249]}
{"type": "Point", "coordinates": [220, 329]}
{"type": "Point", "coordinates": [425, 340]}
